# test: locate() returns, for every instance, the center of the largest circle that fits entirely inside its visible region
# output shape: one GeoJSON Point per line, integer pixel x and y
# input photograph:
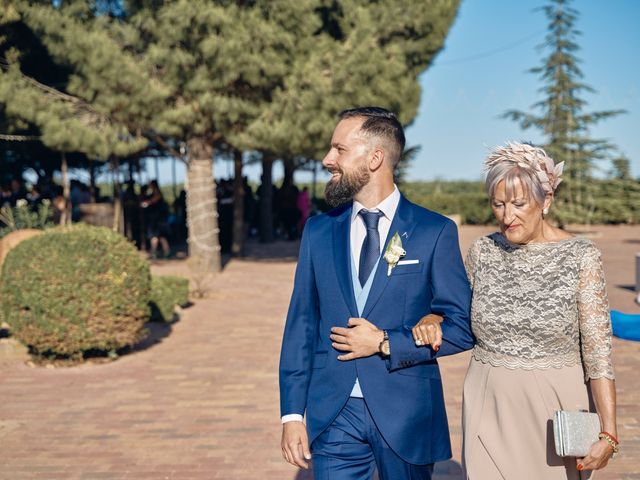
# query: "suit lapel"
{"type": "Point", "coordinates": [403, 224]}
{"type": "Point", "coordinates": [342, 255]}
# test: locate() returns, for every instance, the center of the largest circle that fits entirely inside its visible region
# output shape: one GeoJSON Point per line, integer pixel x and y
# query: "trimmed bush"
{"type": "Point", "coordinates": [167, 292]}
{"type": "Point", "coordinates": [72, 290]}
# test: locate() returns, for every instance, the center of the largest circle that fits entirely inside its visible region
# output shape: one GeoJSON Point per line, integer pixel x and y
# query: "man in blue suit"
{"type": "Point", "coordinates": [367, 272]}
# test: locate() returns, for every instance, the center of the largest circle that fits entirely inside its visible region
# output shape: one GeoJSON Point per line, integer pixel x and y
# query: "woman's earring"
{"type": "Point", "coordinates": [545, 211]}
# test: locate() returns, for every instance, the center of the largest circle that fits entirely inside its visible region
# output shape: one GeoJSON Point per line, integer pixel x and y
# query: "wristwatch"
{"type": "Point", "coordinates": [384, 348]}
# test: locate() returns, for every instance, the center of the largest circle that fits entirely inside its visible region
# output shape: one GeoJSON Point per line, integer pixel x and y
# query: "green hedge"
{"type": "Point", "coordinates": [166, 293]}
{"type": "Point", "coordinates": [73, 290]}
{"type": "Point", "coordinates": [466, 199]}
{"type": "Point", "coordinates": [604, 201]}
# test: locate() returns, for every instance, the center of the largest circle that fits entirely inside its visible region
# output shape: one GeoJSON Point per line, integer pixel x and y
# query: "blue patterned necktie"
{"type": "Point", "coordinates": [371, 245]}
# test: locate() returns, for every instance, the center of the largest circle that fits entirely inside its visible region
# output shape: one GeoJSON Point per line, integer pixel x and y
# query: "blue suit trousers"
{"type": "Point", "coordinates": [352, 447]}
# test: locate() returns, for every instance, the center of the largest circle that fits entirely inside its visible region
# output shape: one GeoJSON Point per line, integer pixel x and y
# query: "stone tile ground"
{"type": "Point", "coordinates": [202, 402]}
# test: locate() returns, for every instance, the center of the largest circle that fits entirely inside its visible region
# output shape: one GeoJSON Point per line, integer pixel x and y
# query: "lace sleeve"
{"type": "Point", "coordinates": [593, 312]}
{"type": "Point", "coordinates": [471, 261]}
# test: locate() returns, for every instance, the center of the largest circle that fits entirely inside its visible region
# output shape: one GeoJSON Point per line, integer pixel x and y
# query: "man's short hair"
{"type": "Point", "coordinates": [381, 123]}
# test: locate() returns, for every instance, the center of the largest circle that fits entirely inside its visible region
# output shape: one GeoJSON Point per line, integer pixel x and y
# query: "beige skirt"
{"type": "Point", "coordinates": [507, 422]}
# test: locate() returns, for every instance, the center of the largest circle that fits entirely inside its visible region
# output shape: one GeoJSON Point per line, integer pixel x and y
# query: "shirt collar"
{"type": "Point", "coordinates": [388, 206]}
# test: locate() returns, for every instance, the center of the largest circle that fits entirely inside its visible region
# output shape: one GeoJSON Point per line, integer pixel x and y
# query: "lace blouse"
{"type": "Point", "coordinates": [540, 305]}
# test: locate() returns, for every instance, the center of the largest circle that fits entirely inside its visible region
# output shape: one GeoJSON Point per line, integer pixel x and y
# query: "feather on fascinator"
{"type": "Point", "coordinates": [530, 158]}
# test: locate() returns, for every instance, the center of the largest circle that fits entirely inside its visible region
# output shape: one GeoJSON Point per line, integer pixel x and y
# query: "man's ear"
{"type": "Point", "coordinates": [377, 159]}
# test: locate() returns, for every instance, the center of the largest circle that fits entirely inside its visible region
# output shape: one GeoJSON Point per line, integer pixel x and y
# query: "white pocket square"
{"type": "Point", "coordinates": [408, 262]}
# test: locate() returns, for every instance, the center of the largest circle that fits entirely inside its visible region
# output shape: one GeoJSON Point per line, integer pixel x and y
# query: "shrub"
{"type": "Point", "coordinates": [604, 201]}
{"type": "Point", "coordinates": [464, 198]}
{"type": "Point", "coordinates": [71, 290]}
{"type": "Point", "coordinates": [166, 293]}
{"type": "Point", "coordinates": [24, 215]}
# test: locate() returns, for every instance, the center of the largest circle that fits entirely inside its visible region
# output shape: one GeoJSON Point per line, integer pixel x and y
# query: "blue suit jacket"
{"type": "Point", "coordinates": [404, 392]}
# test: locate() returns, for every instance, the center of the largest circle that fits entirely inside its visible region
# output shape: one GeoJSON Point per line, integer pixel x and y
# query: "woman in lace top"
{"type": "Point", "coordinates": [541, 319]}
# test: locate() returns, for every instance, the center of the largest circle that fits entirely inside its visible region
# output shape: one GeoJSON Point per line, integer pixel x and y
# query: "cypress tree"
{"type": "Point", "coordinates": [562, 119]}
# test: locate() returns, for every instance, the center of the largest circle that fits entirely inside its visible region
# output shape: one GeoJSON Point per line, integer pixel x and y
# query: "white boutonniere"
{"type": "Point", "coordinates": [394, 253]}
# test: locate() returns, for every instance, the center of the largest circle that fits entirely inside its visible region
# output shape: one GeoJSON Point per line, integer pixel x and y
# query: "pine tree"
{"type": "Point", "coordinates": [360, 53]}
{"type": "Point", "coordinates": [623, 193]}
{"type": "Point", "coordinates": [266, 76]}
{"type": "Point", "coordinates": [183, 74]}
{"type": "Point", "coordinates": [562, 119]}
{"type": "Point", "coordinates": [79, 113]}
{"type": "Point", "coordinates": [221, 62]}
{"type": "Point", "coordinates": [46, 91]}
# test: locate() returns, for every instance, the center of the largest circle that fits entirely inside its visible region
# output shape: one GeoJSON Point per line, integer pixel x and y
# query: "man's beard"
{"type": "Point", "coordinates": [339, 192]}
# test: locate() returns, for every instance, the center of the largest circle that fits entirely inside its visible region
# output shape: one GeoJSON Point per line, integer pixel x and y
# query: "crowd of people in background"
{"type": "Point", "coordinates": [150, 222]}
{"type": "Point", "coordinates": [160, 228]}
{"type": "Point", "coordinates": [15, 193]}
{"type": "Point", "coordinates": [290, 208]}
{"type": "Point", "coordinates": [15, 190]}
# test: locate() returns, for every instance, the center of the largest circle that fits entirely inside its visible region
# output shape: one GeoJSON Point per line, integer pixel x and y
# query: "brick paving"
{"type": "Point", "coordinates": [202, 401]}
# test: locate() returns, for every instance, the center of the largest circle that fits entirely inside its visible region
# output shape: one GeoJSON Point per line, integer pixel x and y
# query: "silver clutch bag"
{"type": "Point", "coordinates": [575, 432]}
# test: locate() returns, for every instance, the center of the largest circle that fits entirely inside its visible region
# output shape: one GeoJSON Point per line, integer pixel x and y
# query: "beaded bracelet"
{"type": "Point", "coordinates": [611, 440]}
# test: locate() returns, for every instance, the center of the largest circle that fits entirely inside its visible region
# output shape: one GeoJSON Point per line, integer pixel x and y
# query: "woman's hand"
{"type": "Point", "coordinates": [598, 456]}
{"type": "Point", "coordinates": [428, 331]}
{"type": "Point", "coordinates": [604, 396]}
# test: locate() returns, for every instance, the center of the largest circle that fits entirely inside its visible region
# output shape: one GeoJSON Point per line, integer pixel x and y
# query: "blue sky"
{"type": "Point", "coordinates": [482, 72]}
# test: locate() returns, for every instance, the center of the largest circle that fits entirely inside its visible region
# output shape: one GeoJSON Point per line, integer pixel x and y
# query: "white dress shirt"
{"type": "Point", "coordinates": [358, 232]}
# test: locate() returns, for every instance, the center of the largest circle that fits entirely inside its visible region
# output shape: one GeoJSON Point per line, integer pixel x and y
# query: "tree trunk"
{"type": "Point", "coordinates": [174, 181]}
{"type": "Point", "coordinates": [92, 181]}
{"type": "Point", "coordinates": [266, 200]}
{"type": "Point", "coordinates": [130, 168]}
{"type": "Point", "coordinates": [314, 196]}
{"type": "Point", "coordinates": [65, 218]}
{"type": "Point", "coordinates": [118, 217]}
{"type": "Point", "coordinates": [237, 247]}
{"type": "Point", "coordinates": [202, 212]}
{"type": "Point", "coordinates": [289, 168]}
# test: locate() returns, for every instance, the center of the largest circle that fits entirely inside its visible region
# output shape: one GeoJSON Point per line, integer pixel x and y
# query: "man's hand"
{"type": "Point", "coordinates": [361, 339]}
{"type": "Point", "coordinates": [428, 331]}
{"type": "Point", "coordinates": [295, 444]}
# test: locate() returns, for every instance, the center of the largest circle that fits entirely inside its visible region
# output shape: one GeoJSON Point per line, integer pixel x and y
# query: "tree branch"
{"type": "Point", "coordinates": [18, 138]}
{"type": "Point", "coordinates": [169, 148]}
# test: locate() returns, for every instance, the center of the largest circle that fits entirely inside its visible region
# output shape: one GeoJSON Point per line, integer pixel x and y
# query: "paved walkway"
{"type": "Point", "coordinates": [202, 402]}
